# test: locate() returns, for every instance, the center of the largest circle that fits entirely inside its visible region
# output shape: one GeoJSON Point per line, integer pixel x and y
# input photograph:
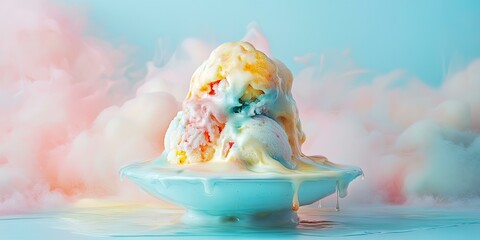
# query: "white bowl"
{"type": "Point", "coordinates": [241, 199]}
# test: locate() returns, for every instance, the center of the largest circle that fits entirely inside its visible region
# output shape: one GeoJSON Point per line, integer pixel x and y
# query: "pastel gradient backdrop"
{"type": "Point", "coordinates": [427, 38]}
{"type": "Point", "coordinates": [87, 87]}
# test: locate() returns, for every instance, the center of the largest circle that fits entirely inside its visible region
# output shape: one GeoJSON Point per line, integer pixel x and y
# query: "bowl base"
{"type": "Point", "coordinates": [253, 219]}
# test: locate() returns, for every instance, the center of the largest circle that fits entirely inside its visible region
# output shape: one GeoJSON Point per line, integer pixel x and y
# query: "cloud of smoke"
{"type": "Point", "coordinates": [412, 140]}
{"type": "Point", "coordinates": [65, 127]}
{"type": "Point", "coordinates": [71, 119]}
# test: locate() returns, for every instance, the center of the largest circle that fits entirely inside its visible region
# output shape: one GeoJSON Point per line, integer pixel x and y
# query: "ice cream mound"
{"type": "Point", "coordinates": [239, 122]}
{"type": "Point", "coordinates": [239, 111]}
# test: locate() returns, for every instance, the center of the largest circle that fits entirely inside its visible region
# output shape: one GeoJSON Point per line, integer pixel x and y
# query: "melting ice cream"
{"type": "Point", "coordinates": [239, 109]}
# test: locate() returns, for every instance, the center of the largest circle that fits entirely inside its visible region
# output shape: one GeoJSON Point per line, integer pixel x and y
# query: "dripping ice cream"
{"type": "Point", "coordinates": [239, 121]}
{"type": "Point", "coordinates": [239, 110]}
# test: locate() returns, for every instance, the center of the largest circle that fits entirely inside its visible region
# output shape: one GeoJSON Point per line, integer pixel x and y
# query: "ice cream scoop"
{"type": "Point", "coordinates": [239, 123]}
{"type": "Point", "coordinates": [233, 95]}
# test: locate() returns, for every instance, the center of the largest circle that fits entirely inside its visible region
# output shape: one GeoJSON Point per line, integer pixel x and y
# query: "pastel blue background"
{"type": "Point", "coordinates": [428, 38]}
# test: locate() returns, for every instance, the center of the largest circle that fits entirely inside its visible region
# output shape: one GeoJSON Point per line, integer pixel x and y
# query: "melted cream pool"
{"type": "Point", "coordinates": [99, 219]}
